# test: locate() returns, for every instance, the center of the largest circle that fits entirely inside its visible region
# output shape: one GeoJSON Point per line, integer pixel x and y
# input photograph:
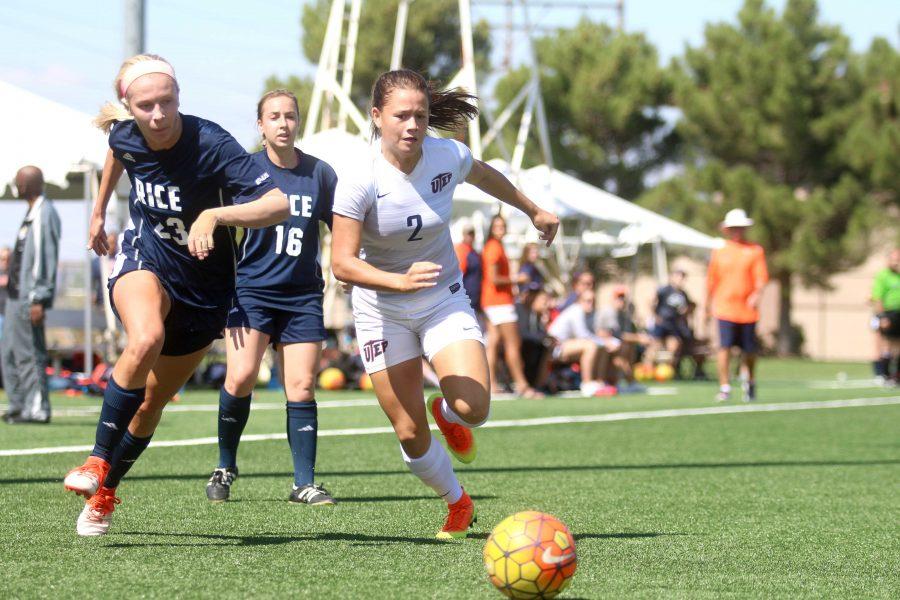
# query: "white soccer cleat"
{"type": "Point", "coordinates": [96, 516]}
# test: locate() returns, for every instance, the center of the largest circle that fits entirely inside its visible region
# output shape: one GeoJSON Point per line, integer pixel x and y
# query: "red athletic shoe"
{"type": "Point", "coordinates": [459, 520]}
{"type": "Point", "coordinates": [87, 479]}
{"type": "Point", "coordinates": [97, 514]}
{"type": "Point", "coordinates": [460, 440]}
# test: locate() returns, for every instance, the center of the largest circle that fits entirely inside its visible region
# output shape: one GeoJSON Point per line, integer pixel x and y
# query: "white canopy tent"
{"type": "Point", "coordinates": [50, 135]}
{"type": "Point", "coordinates": [342, 150]}
{"type": "Point", "coordinates": [603, 221]}
{"type": "Point", "coordinates": [643, 226]}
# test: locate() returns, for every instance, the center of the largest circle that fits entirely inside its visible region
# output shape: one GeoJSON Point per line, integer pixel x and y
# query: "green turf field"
{"type": "Point", "coordinates": [786, 504]}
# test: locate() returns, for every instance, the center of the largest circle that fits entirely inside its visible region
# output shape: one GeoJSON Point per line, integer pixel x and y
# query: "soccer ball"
{"type": "Point", "coordinates": [365, 382]}
{"type": "Point", "coordinates": [664, 372]}
{"type": "Point", "coordinates": [332, 378]}
{"type": "Point", "coordinates": [530, 555]}
{"type": "Point", "coordinates": [643, 372]}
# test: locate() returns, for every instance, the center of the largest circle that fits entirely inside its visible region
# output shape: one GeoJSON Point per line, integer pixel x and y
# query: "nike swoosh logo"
{"type": "Point", "coordinates": [382, 195]}
{"type": "Point", "coordinates": [549, 558]}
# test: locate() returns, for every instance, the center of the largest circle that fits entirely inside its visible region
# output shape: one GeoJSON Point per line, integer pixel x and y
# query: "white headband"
{"type": "Point", "coordinates": [141, 68]}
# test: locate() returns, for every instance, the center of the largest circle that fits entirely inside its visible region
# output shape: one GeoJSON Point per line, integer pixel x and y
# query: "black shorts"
{"type": "Point", "coordinates": [892, 331]}
{"type": "Point", "coordinates": [303, 323]}
{"type": "Point", "coordinates": [738, 335]}
{"type": "Point", "coordinates": [187, 328]}
{"type": "Point", "coordinates": [672, 329]}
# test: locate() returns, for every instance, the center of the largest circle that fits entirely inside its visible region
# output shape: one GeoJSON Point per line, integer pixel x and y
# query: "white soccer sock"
{"type": "Point", "coordinates": [451, 416]}
{"type": "Point", "coordinates": [435, 471]}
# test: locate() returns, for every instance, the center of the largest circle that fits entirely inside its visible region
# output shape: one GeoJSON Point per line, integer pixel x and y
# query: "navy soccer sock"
{"type": "Point", "coordinates": [233, 414]}
{"type": "Point", "coordinates": [119, 406]}
{"type": "Point", "coordinates": [302, 431]}
{"type": "Point", "coordinates": [128, 451]}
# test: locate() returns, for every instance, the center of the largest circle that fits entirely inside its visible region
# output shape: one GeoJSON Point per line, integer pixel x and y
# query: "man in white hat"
{"type": "Point", "coordinates": [735, 280]}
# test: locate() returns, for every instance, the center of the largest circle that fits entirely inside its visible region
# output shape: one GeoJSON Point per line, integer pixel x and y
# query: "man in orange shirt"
{"type": "Point", "coordinates": [736, 277]}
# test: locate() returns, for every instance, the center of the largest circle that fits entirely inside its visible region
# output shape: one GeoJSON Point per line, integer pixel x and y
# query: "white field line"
{"type": "Point", "coordinates": [89, 411]}
{"type": "Point", "coordinates": [845, 384]}
{"type": "Point", "coordinates": [561, 420]}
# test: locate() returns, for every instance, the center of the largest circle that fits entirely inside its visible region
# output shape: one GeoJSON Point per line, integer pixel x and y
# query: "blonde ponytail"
{"type": "Point", "coordinates": [118, 110]}
{"type": "Point", "coordinates": [109, 114]}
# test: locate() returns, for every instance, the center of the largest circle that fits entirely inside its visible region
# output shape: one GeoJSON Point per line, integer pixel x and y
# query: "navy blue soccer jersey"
{"type": "Point", "coordinates": [279, 265]}
{"type": "Point", "coordinates": [205, 168]}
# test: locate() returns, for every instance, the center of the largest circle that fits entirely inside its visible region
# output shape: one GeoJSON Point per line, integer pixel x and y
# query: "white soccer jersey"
{"type": "Point", "coordinates": [405, 220]}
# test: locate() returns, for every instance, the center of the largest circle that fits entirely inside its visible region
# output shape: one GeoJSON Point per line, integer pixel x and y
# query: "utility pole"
{"type": "Point", "coordinates": [134, 27]}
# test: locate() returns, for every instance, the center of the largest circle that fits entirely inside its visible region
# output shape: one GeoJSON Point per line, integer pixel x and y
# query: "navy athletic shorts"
{"type": "Point", "coordinates": [187, 328]}
{"type": "Point", "coordinates": [672, 329]}
{"type": "Point", "coordinates": [304, 322]}
{"type": "Point", "coordinates": [739, 335]}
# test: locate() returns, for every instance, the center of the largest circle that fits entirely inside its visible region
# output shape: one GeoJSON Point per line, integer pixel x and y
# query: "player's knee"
{"type": "Point", "coordinates": [301, 389]}
{"type": "Point", "coordinates": [410, 434]}
{"type": "Point", "coordinates": [240, 380]}
{"type": "Point", "coordinates": [145, 345]}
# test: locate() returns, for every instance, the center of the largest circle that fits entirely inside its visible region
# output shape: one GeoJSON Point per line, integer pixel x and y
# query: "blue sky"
{"type": "Point", "coordinates": [224, 49]}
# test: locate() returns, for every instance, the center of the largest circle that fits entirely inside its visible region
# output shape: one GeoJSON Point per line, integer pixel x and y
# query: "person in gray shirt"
{"type": "Point", "coordinates": [31, 287]}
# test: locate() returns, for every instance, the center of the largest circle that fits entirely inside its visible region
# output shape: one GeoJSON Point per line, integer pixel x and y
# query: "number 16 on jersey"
{"type": "Point", "coordinates": [293, 244]}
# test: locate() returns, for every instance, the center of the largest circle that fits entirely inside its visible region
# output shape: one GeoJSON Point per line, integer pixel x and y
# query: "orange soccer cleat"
{"type": "Point", "coordinates": [459, 520]}
{"type": "Point", "coordinates": [87, 479]}
{"type": "Point", "coordinates": [460, 440]}
{"type": "Point", "coordinates": [94, 520]}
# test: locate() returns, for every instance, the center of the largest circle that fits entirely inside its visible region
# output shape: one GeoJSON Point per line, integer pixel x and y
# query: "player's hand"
{"type": "Point", "coordinates": [200, 238]}
{"type": "Point", "coordinates": [420, 275]}
{"type": "Point", "coordinates": [97, 240]}
{"type": "Point", "coordinates": [547, 223]}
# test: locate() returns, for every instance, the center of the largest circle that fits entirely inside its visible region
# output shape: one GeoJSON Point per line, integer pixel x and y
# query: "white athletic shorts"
{"type": "Point", "coordinates": [502, 313]}
{"type": "Point", "coordinates": [385, 340]}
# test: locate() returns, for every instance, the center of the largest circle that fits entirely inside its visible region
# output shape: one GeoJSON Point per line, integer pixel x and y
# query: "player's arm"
{"type": "Point", "coordinates": [269, 209]}
{"type": "Point", "coordinates": [493, 182]}
{"type": "Point", "coordinates": [346, 236]}
{"type": "Point", "coordinates": [112, 171]}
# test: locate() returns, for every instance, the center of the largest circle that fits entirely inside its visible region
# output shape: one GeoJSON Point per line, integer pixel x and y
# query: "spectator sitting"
{"type": "Point", "coordinates": [671, 330]}
{"type": "Point", "coordinates": [581, 282]}
{"type": "Point", "coordinates": [529, 274]}
{"type": "Point", "coordinates": [574, 330]}
{"type": "Point", "coordinates": [617, 321]}
{"type": "Point", "coordinates": [537, 347]}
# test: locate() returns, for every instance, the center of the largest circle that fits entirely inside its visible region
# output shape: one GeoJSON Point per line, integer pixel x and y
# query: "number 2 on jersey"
{"type": "Point", "coordinates": [414, 220]}
{"type": "Point", "coordinates": [294, 241]}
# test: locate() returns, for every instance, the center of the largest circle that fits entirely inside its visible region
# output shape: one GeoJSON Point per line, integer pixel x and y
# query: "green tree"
{"type": "Point", "coordinates": [758, 102]}
{"type": "Point", "coordinates": [870, 128]}
{"type": "Point", "coordinates": [604, 92]}
{"type": "Point", "coordinates": [431, 46]}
